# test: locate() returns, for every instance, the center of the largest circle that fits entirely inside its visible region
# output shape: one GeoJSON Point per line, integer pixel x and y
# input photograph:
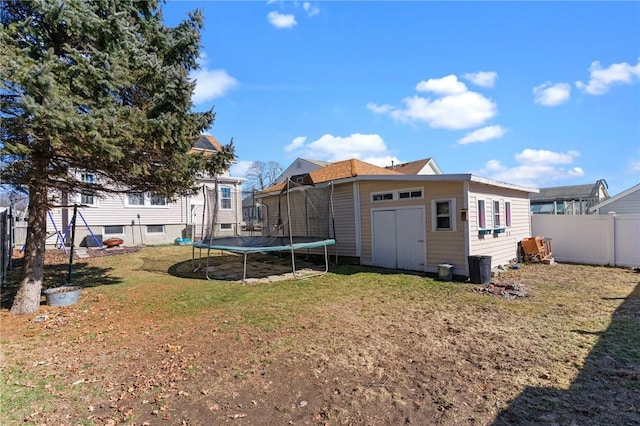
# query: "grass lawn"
{"type": "Point", "coordinates": [152, 342]}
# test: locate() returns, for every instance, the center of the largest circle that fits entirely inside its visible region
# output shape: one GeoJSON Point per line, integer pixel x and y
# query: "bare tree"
{"type": "Point", "coordinates": [262, 175]}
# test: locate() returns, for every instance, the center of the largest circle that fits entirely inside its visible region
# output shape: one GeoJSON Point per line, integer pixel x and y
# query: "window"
{"type": "Point", "coordinates": [145, 200]}
{"type": "Point", "coordinates": [88, 198]}
{"type": "Point", "coordinates": [135, 199]}
{"type": "Point", "coordinates": [157, 200]}
{"type": "Point", "coordinates": [225, 198]}
{"type": "Point", "coordinates": [482, 218]}
{"type": "Point", "coordinates": [443, 215]}
{"type": "Point", "coordinates": [155, 229]}
{"type": "Point", "coordinates": [402, 194]}
{"type": "Point", "coordinates": [496, 214]}
{"type": "Point", "coordinates": [410, 194]}
{"type": "Point", "coordinates": [114, 230]}
{"type": "Point", "coordinates": [507, 213]}
{"type": "Point", "coordinates": [226, 226]}
{"type": "Point", "coordinates": [382, 196]}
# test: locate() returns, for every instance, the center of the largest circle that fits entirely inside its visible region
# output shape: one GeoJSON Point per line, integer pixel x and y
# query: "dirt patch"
{"type": "Point", "coordinates": [367, 348]}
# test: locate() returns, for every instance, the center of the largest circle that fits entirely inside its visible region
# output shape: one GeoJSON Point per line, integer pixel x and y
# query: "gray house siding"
{"type": "Point", "coordinates": [628, 203]}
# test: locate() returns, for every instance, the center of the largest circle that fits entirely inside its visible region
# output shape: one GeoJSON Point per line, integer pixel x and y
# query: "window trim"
{"type": "Point", "coordinates": [221, 199]}
{"type": "Point", "coordinates": [395, 194]}
{"type": "Point", "coordinates": [94, 197]}
{"type": "Point", "coordinates": [482, 214]}
{"type": "Point", "coordinates": [382, 195]}
{"type": "Point", "coordinates": [146, 201]}
{"type": "Point", "coordinates": [453, 227]}
{"type": "Point", "coordinates": [496, 214]}
{"type": "Point", "coordinates": [507, 214]}
{"type": "Point", "coordinates": [128, 204]}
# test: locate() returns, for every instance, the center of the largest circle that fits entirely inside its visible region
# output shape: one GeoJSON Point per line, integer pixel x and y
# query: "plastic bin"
{"type": "Point", "coordinates": [480, 269]}
{"type": "Point", "coordinates": [445, 272]}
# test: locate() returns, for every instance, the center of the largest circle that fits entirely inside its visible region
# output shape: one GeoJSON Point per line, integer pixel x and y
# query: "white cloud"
{"type": "Point", "coordinates": [378, 109]}
{"type": "Point", "coordinates": [549, 94]}
{"type": "Point", "coordinates": [484, 134]}
{"type": "Point", "coordinates": [543, 156]}
{"type": "Point", "coordinates": [311, 10]}
{"type": "Point", "coordinates": [460, 111]}
{"type": "Point", "coordinates": [448, 85]}
{"type": "Point", "coordinates": [535, 168]}
{"type": "Point", "coordinates": [281, 20]}
{"type": "Point", "coordinates": [482, 78]}
{"type": "Point", "coordinates": [240, 168]}
{"type": "Point", "coordinates": [336, 148]}
{"type": "Point", "coordinates": [211, 84]}
{"type": "Point", "coordinates": [296, 143]}
{"type": "Point", "coordinates": [453, 107]}
{"type": "Point", "coordinates": [600, 80]}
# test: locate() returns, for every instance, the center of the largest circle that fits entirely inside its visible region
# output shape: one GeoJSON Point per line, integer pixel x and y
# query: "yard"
{"type": "Point", "coordinates": [148, 343]}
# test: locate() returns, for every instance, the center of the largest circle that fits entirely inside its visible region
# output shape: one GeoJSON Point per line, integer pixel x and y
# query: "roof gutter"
{"type": "Point", "coordinates": [463, 177]}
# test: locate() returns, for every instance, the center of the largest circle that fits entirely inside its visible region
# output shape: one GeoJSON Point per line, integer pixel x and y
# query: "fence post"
{"type": "Point", "coordinates": [612, 238]}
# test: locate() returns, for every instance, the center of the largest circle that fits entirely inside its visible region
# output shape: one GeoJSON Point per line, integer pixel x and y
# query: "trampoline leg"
{"type": "Point", "coordinates": [206, 269]}
{"type": "Point", "coordinates": [319, 274]}
{"type": "Point", "coordinates": [293, 265]}
{"type": "Point", "coordinates": [326, 261]}
{"type": "Point", "coordinates": [244, 270]}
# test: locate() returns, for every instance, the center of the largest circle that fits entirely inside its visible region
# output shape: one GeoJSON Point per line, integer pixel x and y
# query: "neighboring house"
{"type": "Point", "coordinates": [416, 222]}
{"type": "Point", "coordinates": [300, 167]}
{"type": "Point", "coordinates": [251, 213]}
{"type": "Point", "coordinates": [152, 219]}
{"type": "Point", "coordinates": [575, 199]}
{"type": "Point", "coordinates": [623, 203]}
{"type": "Point", "coordinates": [426, 166]}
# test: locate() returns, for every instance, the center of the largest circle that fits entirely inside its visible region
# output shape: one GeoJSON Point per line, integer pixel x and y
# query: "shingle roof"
{"type": "Point", "coordinates": [208, 143]}
{"type": "Point", "coordinates": [340, 170]}
{"type": "Point", "coordinates": [563, 193]}
{"type": "Point", "coordinates": [346, 169]}
{"type": "Point", "coordinates": [411, 168]}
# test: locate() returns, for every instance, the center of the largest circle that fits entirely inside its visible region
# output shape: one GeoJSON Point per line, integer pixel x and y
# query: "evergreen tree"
{"type": "Point", "coordinates": [98, 86]}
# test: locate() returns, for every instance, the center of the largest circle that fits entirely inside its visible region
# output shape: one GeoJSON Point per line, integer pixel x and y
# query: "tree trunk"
{"type": "Point", "coordinates": [27, 300]}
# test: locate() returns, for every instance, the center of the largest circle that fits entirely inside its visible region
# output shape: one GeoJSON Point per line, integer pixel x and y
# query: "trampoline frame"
{"type": "Point", "coordinates": [209, 244]}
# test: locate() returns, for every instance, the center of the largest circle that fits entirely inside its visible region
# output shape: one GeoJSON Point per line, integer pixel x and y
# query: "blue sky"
{"type": "Point", "coordinates": [538, 94]}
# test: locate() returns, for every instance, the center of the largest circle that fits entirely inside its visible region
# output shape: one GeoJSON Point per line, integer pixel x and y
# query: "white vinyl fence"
{"type": "Point", "coordinates": [591, 239]}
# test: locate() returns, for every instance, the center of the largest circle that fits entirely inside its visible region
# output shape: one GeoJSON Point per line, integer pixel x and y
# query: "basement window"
{"type": "Point", "coordinates": [155, 229]}
{"type": "Point", "coordinates": [113, 230]}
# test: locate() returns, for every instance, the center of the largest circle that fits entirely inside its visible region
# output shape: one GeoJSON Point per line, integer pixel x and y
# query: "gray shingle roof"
{"type": "Point", "coordinates": [563, 193]}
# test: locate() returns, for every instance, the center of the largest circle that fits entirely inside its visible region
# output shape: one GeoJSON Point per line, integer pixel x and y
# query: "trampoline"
{"type": "Point", "coordinates": [261, 244]}
{"type": "Point", "coordinates": [304, 221]}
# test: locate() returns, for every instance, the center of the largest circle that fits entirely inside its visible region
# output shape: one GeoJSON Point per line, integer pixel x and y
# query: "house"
{"type": "Point", "coordinates": [385, 218]}
{"type": "Point", "coordinates": [426, 166]}
{"type": "Point", "coordinates": [625, 202]}
{"type": "Point", "coordinates": [575, 199]}
{"type": "Point", "coordinates": [300, 167]}
{"type": "Point", "coordinates": [251, 213]}
{"type": "Point", "coordinates": [152, 219]}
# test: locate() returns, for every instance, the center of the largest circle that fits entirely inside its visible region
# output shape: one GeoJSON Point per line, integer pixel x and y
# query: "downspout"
{"type": "Point", "coordinates": [467, 225]}
{"type": "Point", "coordinates": [357, 220]}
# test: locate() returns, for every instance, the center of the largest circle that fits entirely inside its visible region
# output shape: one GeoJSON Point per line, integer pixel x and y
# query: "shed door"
{"type": "Point", "coordinates": [398, 239]}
